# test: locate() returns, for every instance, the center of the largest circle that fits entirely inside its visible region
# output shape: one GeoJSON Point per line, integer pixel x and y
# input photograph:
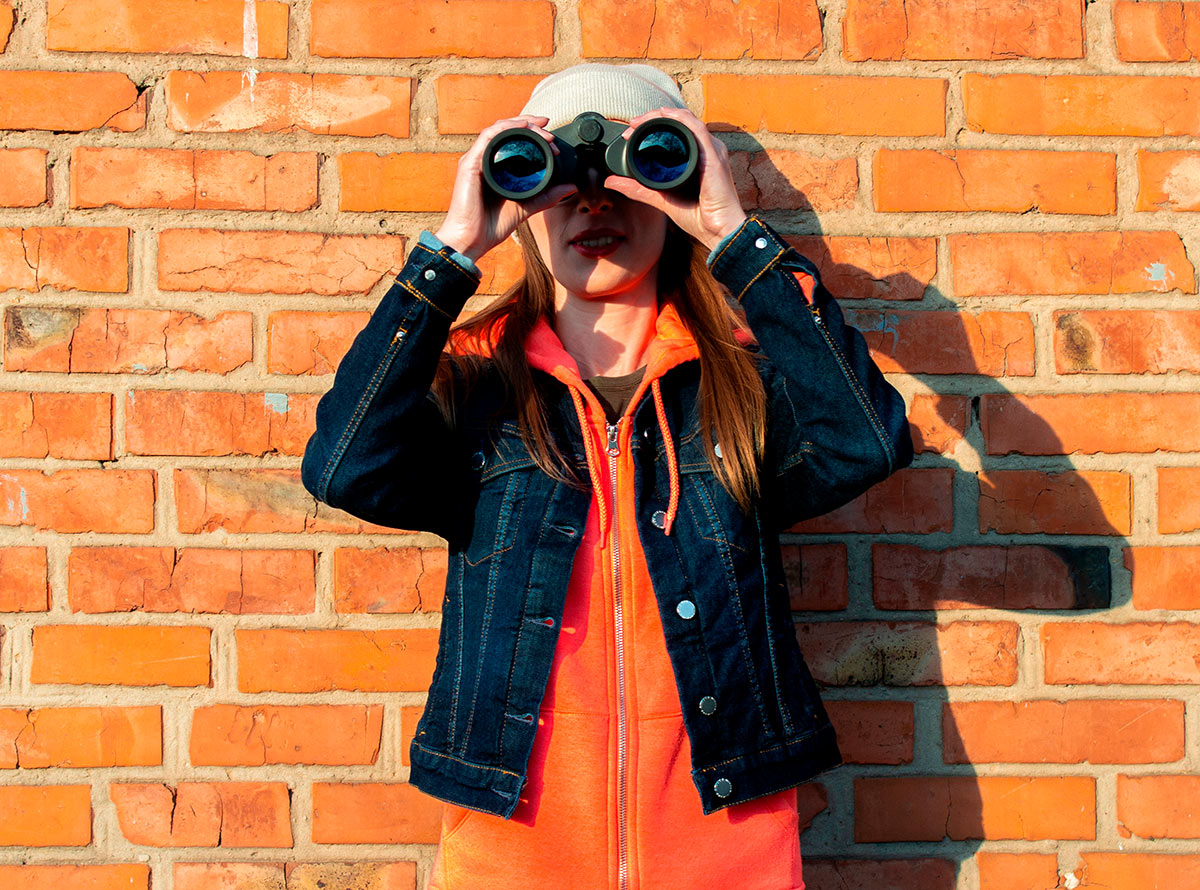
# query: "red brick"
{"type": "Point", "coordinates": [1082, 105]}
{"type": "Point", "coordinates": [410, 715]}
{"type": "Point", "coordinates": [355, 875]}
{"type": "Point", "coordinates": [792, 180]}
{"type": "Point", "coordinates": [700, 29]}
{"type": "Point", "coordinates": [162, 579]}
{"type": "Point", "coordinates": [918, 501]}
{"type": "Point", "coordinates": [873, 731]}
{"type": "Point", "coordinates": [1070, 263]}
{"type": "Point", "coordinates": [22, 173]}
{"type": "Point", "coordinates": [411, 182]}
{"type": "Point", "coordinates": [911, 653]}
{"type": "Point", "coordinates": [491, 29]}
{"type": "Point", "coordinates": [797, 103]}
{"type": "Point", "coordinates": [1028, 871]}
{"type": "Point", "coordinates": [112, 501]}
{"type": "Point", "coordinates": [134, 655]}
{"type": "Point", "coordinates": [937, 422]}
{"type": "Point", "coordinates": [204, 814]}
{"type": "Point", "coordinates": [229, 735]}
{"type": "Point", "coordinates": [1116, 342]}
{"type": "Point", "coordinates": [310, 342]}
{"type": "Point", "coordinates": [871, 267]}
{"type": "Point", "coordinates": [1141, 871]}
{"type": "Point", "coordinates": [1076, 502]}
{"type": "Point", "coordinates": [374, 813]}
{"type": "Point", "coordinates": [893, 874]}
{"type": "Point", "coordinates": [1178, 503]}
{"type": "Point", "coordinates": [1100, 654]}
{"type": "Point", "coordinates": [812, 799]}
{"type": "Point", "coordinates": [467, 103]}
{"type": "Point", "coordinates": [1158, 806]}
{"type": "Point", "coordinates": [314, 660]}
{"type": "Point", "coordinates": [168, 26]}
{"type": "Point", "coordinates": [500, 268]}
{"type": "Point", "coordinates": [401, 579]}
{"type": "Point", "coordinates": [23, 580]}
{"type": "Point", "coordinates": [64, 257]}
{"type": "Point", "coordinates": [275, 262]}
{"type": "Point", "coordinates": [1168, 180]}
{"type": "Point", "coordinates": [1157, 32]}
{"type": "Point", "coordinates": [193, 180]}
{"type": "Point", "coordinates": [33, 738]}
{"type": "Point", "coordinates": [212, 423]}
{"type": "Point", "coordinates": [74, 426]}
{"type": "Point", "coordinates": [230, 876]}
{"type": "Point", "coordinates": [274, 102]}
{"type": "Point", "coordinates": [1063, 732]}
{"type": "Point", "coordinates": [75, 877]}
{"type": "Point", "coordinates": [1164, 577]}
{"type": "Point", "coordinates": [954, 29]}
{"type": "Point", "coordinates": [1111, 422]}
{"type": "Point", "coordinates": [994, 344]}
{"type": "Point", "coordinates": [982, 577]}
{"type": "Point", "coordinates": [45, 815]}
{"type": "Point", "coordinates": [817, 577]}
{"type": "Point", "coordinates": [6, 23]}
{"type": "Point", "coordinates": [930, 808]}
{"type": "Point", "coordinates": [1000, 181]}
{"type": "Point", "coordinates": [69, 101]}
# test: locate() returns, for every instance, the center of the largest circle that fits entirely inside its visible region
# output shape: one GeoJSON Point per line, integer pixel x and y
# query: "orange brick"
{"type": "Point", "coordinates": [700, 29]}
{"type": "Point", "coordinates": [193, 180]}
{"type": "Point", "coordinates": [1111, 422]}
{"type": "Point", "coordinates": [310, 342]}
{"type": "Point", "coordinates": [275, 262]}
{"type": "Point", "coordinates": [1062, 732]}
{"type": "Point", "coordinates": [273, 102]}
{"type": "Point", "coordinates": [1168, 180]}
{"type": "Point", "coordinates": [795, 103]}
{"type": "Point", "coordinates": [168, 26]}
{"type": "Point", "coordinates": [209, 423]}
{"type": "Point", "coordinates": [75, 877]}
{"type": "Point", "coordinates": [937, 422]}
{"type": "Point", "coordinates": [32, 738]}
{"type": "Point", "coordinates": [467, 103]}
{"type": "Point", "coordinates": [1000, 181]}
{"type": "Point", "coordinates": [1028, 576]}
{"type": "Point", "coordinates": [500, 268]}
{"type": "Point", "coordinates": [45, 815]}
{"type": "Point", "coordinates": [873, 731]}
{"type": "Point", "coordinates": [204, 814]}
{"type": "Point", "coordinates": [1178, 499]}
{"type": "Point", "coordinates": [1114, 342]}
{"type": "Point", "coordinates": [6, 23]}
{"type": "Point", "coordinates": [230, 876]}
{"type": "Point", "coordinates": [70, 101]}
{"type": "Point", "coordinates": [128, 656]}
{"type": "Point", "coordinates": [930, 808]}
{"type": "Point", "coordinates": [911, 653]}
{"type": "Point", "coordinates": [111, 501]}
{"type": "Point", "coordinates": [1158, 806]}
{"type": "Point", "coordinates": [1141, 871]}
{"type": "Point", "coordinates": [871, 267]}
{"type": "Point", "coordinates": [74, 426]}
{"type": "Point", "coordinates": [1077, 502]}
{"type": "Point", "coordinates": [995, 344]}
{"type": "Point", "coordinates": [64, 257]}
{"type": "Point", "coordinates": [1157, 32]}
{"type": "Point", "coordinates": [364, 875]}
{"type": "Point", "coordinates": [410, 715]}
{"type": "Point", "coordinates": [1029, 871]}
{"type": "Point", "coordinates": [374, 813]}
{"type": "Point", "coordinates": [817, 577]}
{"type": "Point", "coordinates": [162, 579]}
{"type": "Point", "coordinates": [23, 580]}
{"type": "Point", "coordinates": [794, 180]}
{"type": "Point", "coordinates": [918, 501]}
{"type": "Point", "coordinates": [1100, 654]}
{"type": "Point", "coordinates": [410, 182]}
{"type": "Point", "coordinates": [1070, 263]}
{"type": "Point", "coordinates": [953, 29]}
{"type": "Point", "coordinates": [1079, 105]}
{"type": "Point", "coordinates": [895, 874]}
{"type": "Point", "coordinates": [229, 735]}
{"type": "Point", "coordinates": [314, 660]}
{"type": "Point", "coordinates": [491, 29]}
{"type": "Point", "coordinates": [22, 174]}
{"type": "Point", "coordinates": [1164, 577]}
{"type": "Point", "coordinates": [403, 579]}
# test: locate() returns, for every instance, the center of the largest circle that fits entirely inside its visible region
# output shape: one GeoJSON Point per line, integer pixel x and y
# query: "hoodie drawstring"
{"type": "Point", "coordinates": [593, 459]}
{"type": "Point", "coordinates": [672, 462]}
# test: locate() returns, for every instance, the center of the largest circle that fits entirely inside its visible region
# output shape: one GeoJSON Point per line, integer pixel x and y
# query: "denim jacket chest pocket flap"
{"type": "Point", "coordinates": [504, 468]}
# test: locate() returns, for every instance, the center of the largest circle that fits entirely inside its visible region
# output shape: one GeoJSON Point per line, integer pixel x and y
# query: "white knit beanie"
{"type": "Point", "coordinates": [619, 92]}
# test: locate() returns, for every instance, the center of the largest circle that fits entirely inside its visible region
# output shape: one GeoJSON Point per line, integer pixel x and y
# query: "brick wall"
{"type": "Point", "coordinates": [207, 679]}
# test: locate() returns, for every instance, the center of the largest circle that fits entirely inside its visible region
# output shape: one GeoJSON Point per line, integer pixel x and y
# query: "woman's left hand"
{"type": "Point", "coordinates": [712, 213]}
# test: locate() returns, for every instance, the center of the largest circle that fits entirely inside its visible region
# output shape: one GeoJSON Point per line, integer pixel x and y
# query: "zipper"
{"type": "Point", "coordinates": [613, 450]}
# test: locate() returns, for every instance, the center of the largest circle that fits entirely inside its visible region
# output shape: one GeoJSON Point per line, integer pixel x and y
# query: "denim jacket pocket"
{"type": "Point", "coordinates": [504, 469]}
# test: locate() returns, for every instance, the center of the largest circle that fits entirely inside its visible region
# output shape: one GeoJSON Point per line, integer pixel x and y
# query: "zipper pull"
{"type": "Point", "coordinates": [613, 448]}
{"type": "Point", "coordinates": [816, 314]}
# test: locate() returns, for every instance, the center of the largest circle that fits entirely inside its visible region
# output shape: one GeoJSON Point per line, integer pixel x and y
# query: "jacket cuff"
{"type": "Point", "coordinates": [746, 255]}
{"type": "Point", "coordinates": [432, 275]}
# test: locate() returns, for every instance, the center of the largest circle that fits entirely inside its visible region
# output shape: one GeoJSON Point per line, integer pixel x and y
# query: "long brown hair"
{"type": "Point", "coordinates": [732, 399]}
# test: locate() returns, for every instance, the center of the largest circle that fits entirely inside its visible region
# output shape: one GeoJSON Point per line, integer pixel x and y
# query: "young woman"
{"type": "Point", "coordinates": [619, 699]}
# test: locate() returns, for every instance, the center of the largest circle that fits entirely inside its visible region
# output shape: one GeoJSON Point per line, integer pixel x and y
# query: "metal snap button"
{"type": "Point", "coordinates": [430, 275]}
{"type": "Point", "coordinates": [659, 519]}
{"type": "Point", "coordinates": [686, 609]}
{"type": "Point", "coordinates": [717, 450]}
{"type": "Point", "coordinates": [708, 706]}
{"type": "Point", "coordinates": [760, 243]}
{"type": "Point", "coordinates": [722, 788]}
{"type": "Point", "coordinates": [478, 460]}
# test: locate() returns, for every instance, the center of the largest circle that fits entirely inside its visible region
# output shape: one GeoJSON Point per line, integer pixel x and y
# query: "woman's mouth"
{"type": "Point", "coordinates": [595, 244]}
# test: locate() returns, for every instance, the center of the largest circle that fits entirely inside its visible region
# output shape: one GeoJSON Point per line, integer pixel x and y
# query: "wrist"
{"type": "Point", "coordinates": [728, 224]}
{"type": "Point", "coordinates": [459, 243]}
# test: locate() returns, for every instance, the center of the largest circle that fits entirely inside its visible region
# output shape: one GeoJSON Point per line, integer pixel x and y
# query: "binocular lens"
{"type": "Point", "coordinates": [518, 164]}
{"type": "Point", "coordinates": [661, 156]}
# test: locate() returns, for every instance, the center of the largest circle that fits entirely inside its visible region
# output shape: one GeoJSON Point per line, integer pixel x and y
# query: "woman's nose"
{"type": "Point", "coordinates": [593, 197]}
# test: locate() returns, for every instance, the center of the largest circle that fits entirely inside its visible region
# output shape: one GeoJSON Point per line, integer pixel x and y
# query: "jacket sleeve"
{"type": "Point", "coordinates": [835, 427]}
{"type": "Point", "coordinates": [381, 450]}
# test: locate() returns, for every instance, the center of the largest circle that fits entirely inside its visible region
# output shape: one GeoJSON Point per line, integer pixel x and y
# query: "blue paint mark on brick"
{"type": "Point", "coordinates": [276, 401]}
{"type": "Point", "coordinates": [1157, 271]}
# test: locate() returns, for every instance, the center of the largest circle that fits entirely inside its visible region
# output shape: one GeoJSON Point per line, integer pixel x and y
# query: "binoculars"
{"type": "Point", "coordinates": [660, 154]}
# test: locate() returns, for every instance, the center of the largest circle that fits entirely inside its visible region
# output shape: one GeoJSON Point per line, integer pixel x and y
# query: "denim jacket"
{"type": "Point", "coordinates": [382, 451]}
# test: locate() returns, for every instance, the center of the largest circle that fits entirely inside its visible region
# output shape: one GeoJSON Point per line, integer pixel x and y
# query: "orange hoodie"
{"type": "Point", "coordinates": [609, 801]}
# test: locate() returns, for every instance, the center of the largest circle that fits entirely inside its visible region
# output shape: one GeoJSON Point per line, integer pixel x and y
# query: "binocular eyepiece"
{"type": "Point", "coordinates": [660, 154]}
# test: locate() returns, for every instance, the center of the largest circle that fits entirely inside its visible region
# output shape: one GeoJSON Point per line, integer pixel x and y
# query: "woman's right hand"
{"type": "Point", "coordinates": [477, 221]}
